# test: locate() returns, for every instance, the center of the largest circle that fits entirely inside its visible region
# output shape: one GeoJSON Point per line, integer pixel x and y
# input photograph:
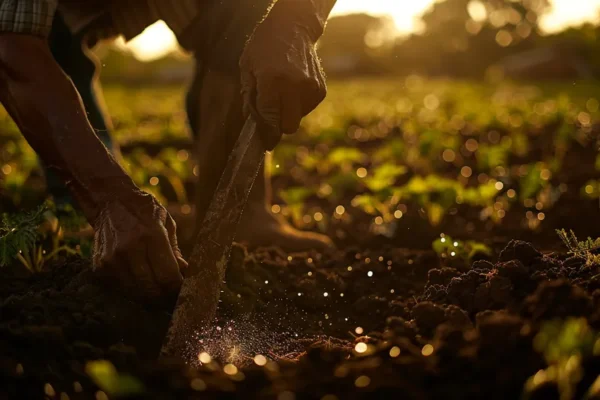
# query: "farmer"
{"type": "Point", "coordinates": [276, 72]}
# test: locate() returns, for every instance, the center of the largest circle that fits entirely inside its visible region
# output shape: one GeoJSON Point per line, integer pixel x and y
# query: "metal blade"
{"type": "Point", "coordinates": [199, 296]}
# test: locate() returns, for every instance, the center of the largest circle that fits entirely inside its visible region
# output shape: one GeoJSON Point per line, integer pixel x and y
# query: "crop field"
{"type": "Point", "coordinates": [450, 279]}
{"type": "Point", "coordinates": [381, 156]}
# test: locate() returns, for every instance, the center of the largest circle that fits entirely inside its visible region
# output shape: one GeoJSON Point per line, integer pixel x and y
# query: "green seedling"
{"type": "Point", "coordinates": [582, 249]}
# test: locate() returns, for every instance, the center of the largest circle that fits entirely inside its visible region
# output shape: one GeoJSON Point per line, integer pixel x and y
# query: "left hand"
{"type": "Point", "coordinates": [282, 79]}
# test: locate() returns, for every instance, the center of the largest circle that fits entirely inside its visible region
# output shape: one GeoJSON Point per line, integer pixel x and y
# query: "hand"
{"type": "Point", "coordinates": [135, 243]}
{"type": "Point", "coordinates": [282, 79]}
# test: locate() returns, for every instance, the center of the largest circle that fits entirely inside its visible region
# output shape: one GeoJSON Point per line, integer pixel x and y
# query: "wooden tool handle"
{"type": "Point", "coordinates": [199, 296]}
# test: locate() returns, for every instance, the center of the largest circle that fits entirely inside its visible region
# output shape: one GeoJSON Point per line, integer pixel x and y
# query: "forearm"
{"type": "Point", "coordinates": [323, 8]}
{"type": "Point", "coordinates": [49, 113]}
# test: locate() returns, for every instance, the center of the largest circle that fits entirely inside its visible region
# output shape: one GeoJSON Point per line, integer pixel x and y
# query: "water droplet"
{"type": "Point", "coordinates": [360, 347]}
{"type": "Point", "coordinates": [362, 381]}
{"type": "Point", "coordinates": [260, 360]}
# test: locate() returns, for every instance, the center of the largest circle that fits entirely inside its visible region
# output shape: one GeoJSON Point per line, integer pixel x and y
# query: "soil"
{"type": "Point", "coordinates": [434, 329]}
{"type": "Point", "coordinates": [305, 313]}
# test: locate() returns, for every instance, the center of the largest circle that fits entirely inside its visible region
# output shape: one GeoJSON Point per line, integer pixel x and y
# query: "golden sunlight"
{"type": "Point", "coordinates": [404, 13]}
{"type": "Point", "coordinates": [155, 42]}
{"type": "Point", "coordinates": [158, 40]}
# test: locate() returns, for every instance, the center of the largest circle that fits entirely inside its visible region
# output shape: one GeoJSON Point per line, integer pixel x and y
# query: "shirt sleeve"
{"type": "Point", "coordinates": [132, 17]}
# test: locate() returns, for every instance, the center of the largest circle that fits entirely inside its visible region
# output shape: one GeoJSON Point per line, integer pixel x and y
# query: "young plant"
{"type": "Point", "coordinates": [564, 344]}
{"type": "Point", "coordinates": [448, 248]}
{"type": "Point", "coordinates": [21, 239]}
{"type": "Point", "coordinates": [585, 250]}
{"type": "Point", "coordinates": [104, 374]}
{"type": "Point", "coordinates": [19, 232]}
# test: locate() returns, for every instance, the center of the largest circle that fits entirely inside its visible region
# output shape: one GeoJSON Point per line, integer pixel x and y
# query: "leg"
{"type": "Point", "coordinates": [77, 61]}
{"type": "Point", "coordinates": [214, 107]}
{"type": "Point", "coordinates": [81, 65]}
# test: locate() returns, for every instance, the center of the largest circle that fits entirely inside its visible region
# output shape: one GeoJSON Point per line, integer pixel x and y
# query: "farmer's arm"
{"type": "Point", "coordinates": [135, 237]}
{"type": "Point", "coordinates": [323, 8]}
{"type": "Point", "coordinates": [281, 74]}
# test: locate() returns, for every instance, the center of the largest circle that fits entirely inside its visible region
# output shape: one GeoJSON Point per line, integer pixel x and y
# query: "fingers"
{"type": "Point", "coordinates": [264, 109]}
{"type": "Point", "coordinates": [291, 111]}
{"type": "Point", "coordinates": [163, 263]}
{"type": "Point", "coordinates": [279, 105]}
{"type": "Point", "coordinates": [143, 275]}
{"type": "Point", "coordinates": [268, 106]}
{"type": "Point", "coordinates": [172, 235]}
{"type": "Point", "coordinates": [268, 101]}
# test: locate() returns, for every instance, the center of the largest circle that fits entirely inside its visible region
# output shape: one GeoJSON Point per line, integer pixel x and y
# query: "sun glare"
{"type": "Point", "coordinates": [404, 13]}
{"type": "Point", "coordinates": [570, 12]}
{"type": "Point", "coordinates": [155, 42]}
{"type": "Point", "coordinates": [158, 40]}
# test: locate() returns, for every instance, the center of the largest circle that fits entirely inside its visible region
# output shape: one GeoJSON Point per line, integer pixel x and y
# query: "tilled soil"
{"type": "Point", "coordinates": [432, 331]}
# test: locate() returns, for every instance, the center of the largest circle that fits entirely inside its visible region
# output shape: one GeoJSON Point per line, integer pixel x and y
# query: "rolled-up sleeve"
{"type": "Point", "coordinates": [30, 17]}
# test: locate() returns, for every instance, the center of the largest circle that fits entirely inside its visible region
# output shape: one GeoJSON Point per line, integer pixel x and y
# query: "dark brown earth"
{"type": "Point", "coordinates": [480, 320]}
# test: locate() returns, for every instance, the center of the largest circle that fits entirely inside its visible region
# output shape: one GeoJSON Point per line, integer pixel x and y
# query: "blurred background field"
{"type": "Point", "coordinates": [394, 159]}
{"type": "Point", "coordinates": [479, 121]}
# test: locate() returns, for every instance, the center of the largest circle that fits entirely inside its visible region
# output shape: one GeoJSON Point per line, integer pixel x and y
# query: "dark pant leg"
{"type": "Point", "coordinates": [69, 53]}
{"type": "Point", "coordinates": [192, 99]}
{"type": "Point", "coordinates": [214, 110]}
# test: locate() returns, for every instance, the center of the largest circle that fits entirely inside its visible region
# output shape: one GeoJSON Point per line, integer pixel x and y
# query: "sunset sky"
{"type": "Point", "coordinates": [158, 40]}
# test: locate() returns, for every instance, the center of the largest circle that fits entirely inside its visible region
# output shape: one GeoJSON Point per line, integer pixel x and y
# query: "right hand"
{"type": "Point", "coordinates": [135, 243]}
{"type": "Point", "coordinates": [282, 79]}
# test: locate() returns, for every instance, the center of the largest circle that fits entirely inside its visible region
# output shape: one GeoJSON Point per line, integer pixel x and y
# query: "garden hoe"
{"type": "Point", "coordinates": [199, 296]}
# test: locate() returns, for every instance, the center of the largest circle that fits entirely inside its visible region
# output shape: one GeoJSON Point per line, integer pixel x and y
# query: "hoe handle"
{"type": "Point", "coordinates": [199, 296]}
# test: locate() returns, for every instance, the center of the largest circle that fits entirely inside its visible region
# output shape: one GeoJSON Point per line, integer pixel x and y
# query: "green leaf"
{"type": "Point", "coordinates": [105, 375]}
{"type": "Point", "coordinates": [441, 245]}
{"type": "Point", "coordinates": [384, 176]}
{"type": "Point", "coordinates": [435, 212]}
{"type": "Point", "coordinates": [368, 203]}
{"type": "Point", "coordinates": [532, 182]}
{"type": "Point", "coordinates": [390, 152]}
{"type": "Point", "coordinates": [342, 182]}
{"type": "Point", "coordinates": [345, 155]}
{"type": "Point", "coordinates": [19, 232]}
{"type": "Point", "coordinates": [477, 248]}
{"type": "Point", "coordinates": [296, 195]}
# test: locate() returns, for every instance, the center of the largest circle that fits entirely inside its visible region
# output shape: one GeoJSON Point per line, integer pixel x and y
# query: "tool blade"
{"type": "Point", "coordinates": [199, 296]}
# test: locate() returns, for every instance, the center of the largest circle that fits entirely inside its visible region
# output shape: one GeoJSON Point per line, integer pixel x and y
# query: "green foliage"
{"type": "Point", "coordinates": [492, 156]}
{"type": "Point", "coordinates": [582, 249]}
{"type": "Point", "coordinates": [295, 198]}
{"type": "Point", "coordinates": [22, 237]}
{"type": "Point", "coordinates": [384, 176]}
{"type": "Point", "coordinates": [296, 195]}
{"type": "Point", "coordinates": [369, 204]}
{"type": "Point", "coordinates": [69, 218]}
{"type": "Point", "coordinates": [448, 248]}
{"type": "Point", "coordinates": [564, 344]}
{"type": "Point", "coordinates": [345, 155]}
{"type": "Point", "coordinates": [19, 234]}
{"type": "Point", "coordinates": [532, 182]}
{"type": "Point", "coordinates": [427, 144]}
{"type": "Point", "coordinates": [105, 375]}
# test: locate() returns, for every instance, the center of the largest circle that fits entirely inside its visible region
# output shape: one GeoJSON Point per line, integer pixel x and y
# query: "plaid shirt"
{"type": "Point", "coordinates": [200, 25]}
{"type": "Point", "coordinates": [131, 17]}
{"type": "Point", "coordinates": [33, 17]}
{"type": "Point", "coordinates": [128, 17]}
